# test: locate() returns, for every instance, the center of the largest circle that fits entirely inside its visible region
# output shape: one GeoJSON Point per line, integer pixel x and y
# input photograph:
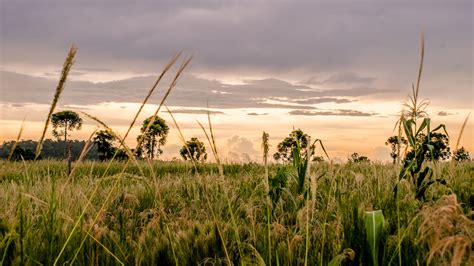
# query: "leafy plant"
{"type": "Point", "coordinates": [300, 164]}
{"type": "Point", "coordinates": [277, 184]}
{"type": "Point", "coordinates": [420, 141]}
{"type": "Point", "coordinates": [374, 223]}
{"type": "Point", "coordinates": [413, 168]}
{"type": "Point", "coordinates": [440, 143]}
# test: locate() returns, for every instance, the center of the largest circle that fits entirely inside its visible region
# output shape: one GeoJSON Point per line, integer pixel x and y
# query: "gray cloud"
{"type": "Point", "coordinates": [194, 111]}
{"type": "Point", "coordinates": [277, 38]}
{"type": "Point", "coordinates": [257, 114]}
{"type": "Point", "coordinates": [444, 113]}
{"type": "Point", "coordinates": [190, 92]}
{"type": "Point", "coordinates": [339, 112]}
{"type": "Point", "coordinates": [341, 77]}
{"type": "Point", "coordinates": [322, 100]}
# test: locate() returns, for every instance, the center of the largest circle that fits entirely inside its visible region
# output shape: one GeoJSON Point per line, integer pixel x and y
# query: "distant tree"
{"type": "Point", "coordinates": [395, 143]}
{"type": "Point", "coordinates": [121, 154]}
{"type": "Point", "coordinates": [356, 158]}
{"type": "Point", "coordinates": [193, 150]}
{"type": "Point", "coordinates": [64, 121]}
{"type": "Point", "coordinates": [440, 144]}
{"type": "Point", "coordinates": [285, 148]}
{"type": "Point", "coordinates": [52, 149]}
{"type": "Point", "coordinates": [461, 155]}
{"type": "Point", "coordinates": [318, 159]}
{"type": "Point", "coordinates": [154, 138]}
{"type": "Point", "coordinates": [105, 144]}
{"type": "Point", "coordinates": [20, 154]}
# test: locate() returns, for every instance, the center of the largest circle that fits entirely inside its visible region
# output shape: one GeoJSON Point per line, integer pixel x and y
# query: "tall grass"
{"type": "Point", "coordinates": [154, 212]}
{"type": "Point", "coordinates": [201, 217]}
{"type": "Point", "coordinates": [59, 89]}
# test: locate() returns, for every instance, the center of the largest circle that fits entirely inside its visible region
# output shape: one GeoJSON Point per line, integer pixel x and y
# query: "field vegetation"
{"type": "Point", "coordinates": [127, 208]}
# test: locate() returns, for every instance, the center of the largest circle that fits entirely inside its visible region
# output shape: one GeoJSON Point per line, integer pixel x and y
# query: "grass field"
{"type": "Point", "coordinates": [148, 212]}
{"type": "Point", "coordinates": [172, 214]}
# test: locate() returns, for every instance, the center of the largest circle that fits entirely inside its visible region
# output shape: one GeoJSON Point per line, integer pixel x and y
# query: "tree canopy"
{"type": "Point", "coordinates": [440, 144]}
{"type": "Point", "coordinates": [105, 144]}
{"type": "Point", "coordinates": [396, 143]}
{"type": "Point", "coordinates": [356, 158]}
{"type": "Point", "coordinates": [153, 138]}
{"type": "Point", "coordinates": [193, 150]}
{"type": "Point", "coordinates": [285, 148]}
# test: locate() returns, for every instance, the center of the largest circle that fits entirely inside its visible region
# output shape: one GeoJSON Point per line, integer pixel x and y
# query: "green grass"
{"type": "Point", "coordinates": [185, 217]}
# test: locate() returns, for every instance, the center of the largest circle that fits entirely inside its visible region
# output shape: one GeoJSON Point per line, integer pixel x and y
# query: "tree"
{"type": "Point", "coordinates": [121, 154]}
{"type": "Point", "coordinates": [20, 154]}
{"type": "Point", "coordinates": [52, 149]}
{"type": "Point", "coordinates": [105, 144]}
{"type": "Point", "coordinates": [356, 158]}
{"type": "Point", "coordinates": [285, 148]}
{"type": "Point", "coordinates": [395, 143]}
{"type": "Point", "coordinates": [68, 120]}
{"type": "Point", "coordinates": [193, 150]}
{"type": "Point", "coordinates": [154, 138]}
{"type": "Point", "coordinates": [440, 144]}
{"type": "Point", "coordinates": [461, 155]}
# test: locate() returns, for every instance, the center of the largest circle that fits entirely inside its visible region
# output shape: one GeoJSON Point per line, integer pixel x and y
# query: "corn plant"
{"type": "Point", "coordinates": [277, 184]}
{"type": "Point", "coordinates": [374, 223]}
{"type": "Point", "coordinates": [413, 169]}
{"type": "Point", "coordinates": [300, 164]}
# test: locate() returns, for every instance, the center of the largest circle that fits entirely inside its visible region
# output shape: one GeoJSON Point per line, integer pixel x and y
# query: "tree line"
{"type": "Point", "coordinates": [105, 144]}
{"type": "Point", "coordinates": [153, 136]}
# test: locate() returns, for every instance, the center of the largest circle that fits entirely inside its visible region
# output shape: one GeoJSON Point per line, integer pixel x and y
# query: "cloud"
{"type": "Point", "coordinates": [322, 100]}
{"type": "Point", "coordinates": [341, 77]}
{"type": "Point", "coordinates": [256, 114]}
{"type": "Point", "coordinates": [196, 111]}
{"type": "Point", "coordinates": [339, 112]}
{"type": "Point", "coordinates": [191, 91]}
{"type": "Point", "coordinates": [444, 113]}
{"type": "Point", "coordinates": [240, 149]}
{"type": "Point", "coordinates": [368, 43]}
{"type": "Point", "coordinates": [93, 69]}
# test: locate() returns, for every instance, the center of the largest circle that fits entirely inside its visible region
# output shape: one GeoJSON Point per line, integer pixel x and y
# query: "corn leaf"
{"type": "Point", "coordinates": [374, 222]}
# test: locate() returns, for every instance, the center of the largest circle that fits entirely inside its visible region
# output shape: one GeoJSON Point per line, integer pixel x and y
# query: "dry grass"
{"type": "Point", "coordinates": [461, 131]}
{"type": "Point", "coordinates": [150, 92]}
{"type": "Point", "coordinates": [447, 232]}
{"type": "Point", "coordinates": [59, 89]}
{"type": "Point", "coordinates": [16, 141]}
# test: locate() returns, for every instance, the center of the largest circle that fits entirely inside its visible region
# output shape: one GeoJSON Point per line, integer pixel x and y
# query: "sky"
{"type": "Point", "coordinates": [339, 70]}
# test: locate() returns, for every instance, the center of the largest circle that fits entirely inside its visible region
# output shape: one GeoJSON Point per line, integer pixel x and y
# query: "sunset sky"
{"type": "Point", "coordinates": [339, 70]}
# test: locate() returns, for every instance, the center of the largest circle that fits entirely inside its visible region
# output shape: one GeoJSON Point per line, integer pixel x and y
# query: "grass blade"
{"type": "Point", "coordinates": [59, 89]}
